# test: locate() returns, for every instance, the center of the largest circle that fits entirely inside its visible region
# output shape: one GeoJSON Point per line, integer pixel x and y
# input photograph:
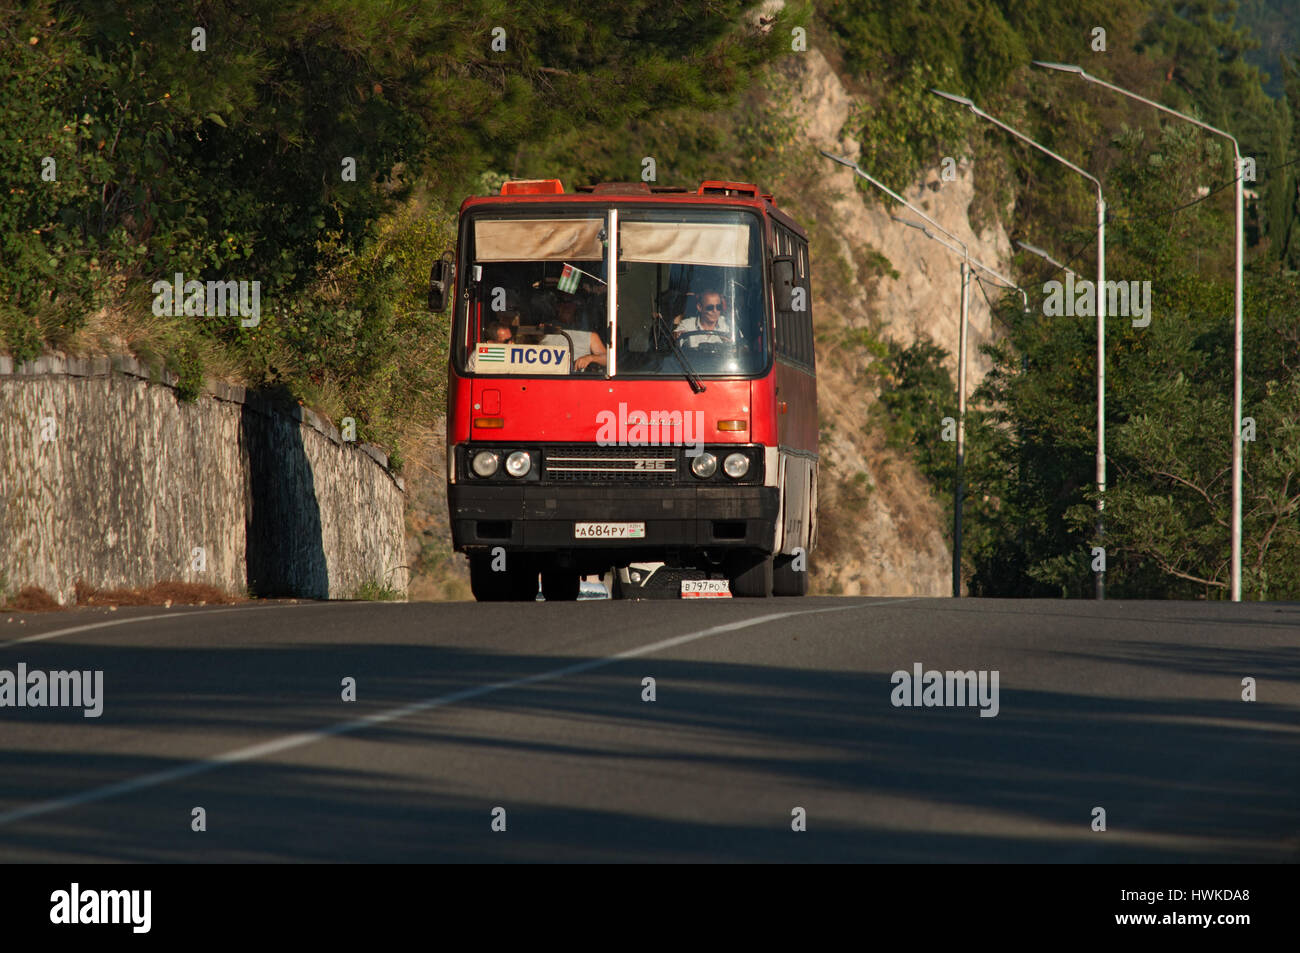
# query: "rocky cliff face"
{"type": "Point", "coordinates": [881, 528]}
{"type": "Point", "coordinates": [109, 479]}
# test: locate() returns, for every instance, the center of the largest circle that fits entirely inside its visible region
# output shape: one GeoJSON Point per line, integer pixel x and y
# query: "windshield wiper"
{"type": "Point", "coordinates": [662, 326]}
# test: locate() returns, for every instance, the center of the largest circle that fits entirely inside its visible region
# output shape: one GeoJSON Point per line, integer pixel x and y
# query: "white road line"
{"type": "Point", "coordinates": [289, 742]}
{"type": "Point", "coordinates": [41, 637]}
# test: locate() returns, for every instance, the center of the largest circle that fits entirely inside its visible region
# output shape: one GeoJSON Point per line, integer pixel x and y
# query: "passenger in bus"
{"type": "Point", "coordinates": [563, 330]}
{"type": "Point", "coordinates": [498, 332]}
{"type": "Point", "coordinates": [710, 316]}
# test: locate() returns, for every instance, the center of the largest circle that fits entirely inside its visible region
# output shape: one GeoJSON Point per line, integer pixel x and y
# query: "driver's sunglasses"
{"type": "Point", "coordinates": [712, 307]}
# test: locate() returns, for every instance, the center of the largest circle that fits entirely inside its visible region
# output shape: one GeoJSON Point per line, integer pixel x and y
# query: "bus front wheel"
{"type": "Point", "coordinates": [751, 576]}
{"type": "Point", "coordinates": [559, 586]}
{"type": "Point", "coordinates": [516, 582]}
{"type": "Point", "coordinates": [786, 580]}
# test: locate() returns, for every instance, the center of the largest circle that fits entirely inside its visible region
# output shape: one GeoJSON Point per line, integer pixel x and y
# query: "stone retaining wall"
{"type": "Point", "coordinates": [107, 477]}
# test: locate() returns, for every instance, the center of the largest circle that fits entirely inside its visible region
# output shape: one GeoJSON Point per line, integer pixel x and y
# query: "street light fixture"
{"type": "Point", "coordinates": [1003, 279]}
{"type": "Point", "coordinates": [1035, 250]}
{"type": "Point", "coordinates": [1101, 308]}
{"type": "Point", "coordinates": [1239, 320]}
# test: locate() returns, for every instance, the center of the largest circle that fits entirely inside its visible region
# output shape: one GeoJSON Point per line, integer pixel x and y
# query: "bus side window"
{"type": "Point", "coordinates": [782, 317]}
{"type": "Point", "coordinates": [794, 328]}
{"type": "Point", "coordinates": [804, 317]}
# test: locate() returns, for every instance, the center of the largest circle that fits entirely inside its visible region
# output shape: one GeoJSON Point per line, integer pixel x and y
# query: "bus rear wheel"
{"type": "Point", "coordinates": [517, 582]}
{"type": "Point", "coordinates": [786, 580]}
{"type": "Point", "coordinates": [751, 576]}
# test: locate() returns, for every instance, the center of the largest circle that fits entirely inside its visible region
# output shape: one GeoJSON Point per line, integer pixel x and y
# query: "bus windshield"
{"type": "Point", "coordinates": [535, 299]}
{"type": "Point", "coordinates": [698, 270]}
{"type": "Point", "coordinates": [537, 293]}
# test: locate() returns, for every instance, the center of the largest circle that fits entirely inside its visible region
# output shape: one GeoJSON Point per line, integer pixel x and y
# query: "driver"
{"type": "Point", "coordinates": [710, 316]}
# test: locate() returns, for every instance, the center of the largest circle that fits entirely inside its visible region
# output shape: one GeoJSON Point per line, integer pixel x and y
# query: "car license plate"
{"type": "Point", "coordinates": [609, 530]}
{"type": "Point", "coordinates": [705, 589]}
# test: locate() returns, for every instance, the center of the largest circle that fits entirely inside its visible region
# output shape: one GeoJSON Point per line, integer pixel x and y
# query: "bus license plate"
{"type": "Point", "coordinates": [705, 589]}
{"type": "Point", "coordinates": [609, 530]}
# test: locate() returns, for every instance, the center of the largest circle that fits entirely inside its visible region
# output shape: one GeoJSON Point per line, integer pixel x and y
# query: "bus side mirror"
{"type": "Point", "coordinates": [783, 282]}
{"type": "Point", "coordinates": [441, 282]}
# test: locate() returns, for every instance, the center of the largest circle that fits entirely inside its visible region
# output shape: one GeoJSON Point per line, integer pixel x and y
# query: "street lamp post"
{"type": "Point", "coordinates": [1239, 320]}
{"type": "Point", "coordinates": [959, 485]}
{"type": "Point", "coordinates": [1101, 310]}
{"type": "Point", "coordinates": [967, 262]}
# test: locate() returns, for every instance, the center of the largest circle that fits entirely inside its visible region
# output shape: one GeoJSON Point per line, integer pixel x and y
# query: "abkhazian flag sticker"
{"type": "Point", "coordinates": [492, 353]}
{"type": "Point", "coordinates": [568, 282]}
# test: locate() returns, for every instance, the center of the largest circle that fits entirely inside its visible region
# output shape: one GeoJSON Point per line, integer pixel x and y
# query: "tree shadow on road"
{"type": "Point", "coordinates": [709, 771]}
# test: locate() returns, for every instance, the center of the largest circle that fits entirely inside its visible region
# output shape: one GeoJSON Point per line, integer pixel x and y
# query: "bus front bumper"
{"type": "Point", "coordinates": [543, 518]}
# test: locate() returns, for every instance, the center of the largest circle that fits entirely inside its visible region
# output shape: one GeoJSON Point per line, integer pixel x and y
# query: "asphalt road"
{"type": "Point", "coordinates": [761, 707]}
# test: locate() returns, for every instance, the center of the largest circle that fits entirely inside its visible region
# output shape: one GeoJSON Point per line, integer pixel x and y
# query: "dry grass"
{"type": "Point", "coordinates": [159, 594]}
{"type": "Point", "coordinates": [129, 326]}
{"type": "Point", "coordinates": [32, 599]}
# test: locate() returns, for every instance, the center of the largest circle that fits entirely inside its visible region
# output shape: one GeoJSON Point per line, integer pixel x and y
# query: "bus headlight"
{"type": "Point", "coordinates": [704, 465]}
{"type": "Point", "coordinates": [736, 465]}
{"type": "Point", "coordinates": [485, 463]}
{"type": "Point", "coordinates": [519, 463]}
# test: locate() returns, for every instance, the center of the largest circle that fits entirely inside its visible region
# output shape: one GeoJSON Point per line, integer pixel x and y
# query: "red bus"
{"type": "Point", "coordinates": [631, 389]}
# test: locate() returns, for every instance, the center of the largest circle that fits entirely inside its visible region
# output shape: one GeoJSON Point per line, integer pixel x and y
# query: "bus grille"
{"type": "Point", "coordinates": [591, 464]}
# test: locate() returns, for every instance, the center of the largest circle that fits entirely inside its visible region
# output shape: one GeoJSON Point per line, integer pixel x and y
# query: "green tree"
{"type": "Point", "coordinates": [212, 140]}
